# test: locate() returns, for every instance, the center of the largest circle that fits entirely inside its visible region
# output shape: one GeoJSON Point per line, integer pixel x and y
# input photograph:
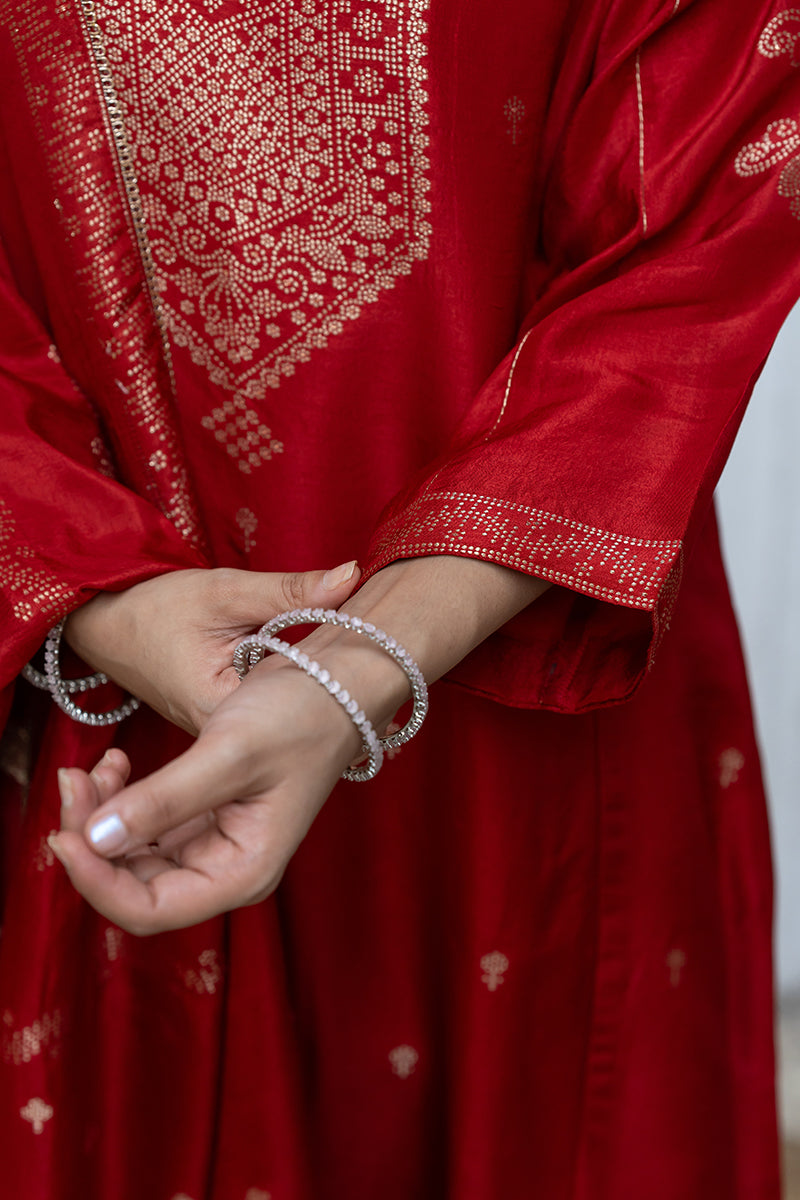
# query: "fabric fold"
{"type": "Point", "coordinates": [668, 262]}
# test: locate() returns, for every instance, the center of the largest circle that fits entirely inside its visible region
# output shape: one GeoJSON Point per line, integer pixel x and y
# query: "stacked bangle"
{"type": "Point", "coordinates": [252, 650]}
{"type": "Point", "coordinates": [62, 689]}
{"type": "Point", "coordinates": [369, 739]}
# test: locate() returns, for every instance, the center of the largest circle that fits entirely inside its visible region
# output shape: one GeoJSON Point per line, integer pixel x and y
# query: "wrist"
{"type": "Point", "coordinates": [378, 683]}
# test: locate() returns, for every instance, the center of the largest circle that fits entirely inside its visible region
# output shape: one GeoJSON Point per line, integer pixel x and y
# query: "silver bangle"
{"type": "Point", "coordinates": [251, 651]}
{"type": "Point", "coordinates": [61, 689]}
{"type": "Point", "coordinates": [85, 684]}
{"type": "Point", "coordinates": [369, 738]}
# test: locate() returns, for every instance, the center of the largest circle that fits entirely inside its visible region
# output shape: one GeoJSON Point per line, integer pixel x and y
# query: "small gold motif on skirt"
{"type": "Point", "coordinates": [494, 966]}
{"type": "Point", "coordinates": [38, 1112]}
{"type": "Point", "coordinates": [403, 1059]}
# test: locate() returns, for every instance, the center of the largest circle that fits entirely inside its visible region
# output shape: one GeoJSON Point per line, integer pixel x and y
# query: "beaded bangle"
{"type": "Point", "coordinates": [251, 651]}
{"type": "Point", "coordinates": [61, 689]}
{"type": "Point", "coordinates": [85, 684]}
{"type": "Point", "coordinates": [369, 738]}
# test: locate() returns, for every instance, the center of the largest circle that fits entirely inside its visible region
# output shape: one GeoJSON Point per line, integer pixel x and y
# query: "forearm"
{"type": "Point", "coordinates": [439, 608]}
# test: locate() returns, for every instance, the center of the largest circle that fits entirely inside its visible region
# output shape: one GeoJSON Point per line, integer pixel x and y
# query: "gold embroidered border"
{"type": "Point", "coordinates": [31, 590]}
{"type": "Point", "coordinates": [128, 376]}
{"type": "Point", "coordinates": [610, 566]}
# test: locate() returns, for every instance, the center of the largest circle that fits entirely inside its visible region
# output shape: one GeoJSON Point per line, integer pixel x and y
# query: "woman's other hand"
{"type": "Point", "coordinates": [170, 640]}
{"type": "Point", "coordinates": [215, 828]}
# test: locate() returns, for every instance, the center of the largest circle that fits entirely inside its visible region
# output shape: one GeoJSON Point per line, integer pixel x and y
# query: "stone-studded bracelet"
{"type": "Point", "coordinates": [251, 651]}
{"type": "Point", "coordinates": [369, 738]}
{"type": "Point", "coordinates": [62, 689]}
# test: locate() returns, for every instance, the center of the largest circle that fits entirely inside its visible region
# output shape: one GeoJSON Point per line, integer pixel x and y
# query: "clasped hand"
{"type": "Point", "coordinates": [214, 828]}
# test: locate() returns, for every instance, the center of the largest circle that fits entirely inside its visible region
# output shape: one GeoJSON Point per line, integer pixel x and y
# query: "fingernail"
{"type": "Point", "coordinates": [66, 788]}
{"type": "Point", "coordinates": [109, 834]}
{"type": "Point", "coordinates": [339, 575]}
{"type": "Point", "coordinates": [55, 846]}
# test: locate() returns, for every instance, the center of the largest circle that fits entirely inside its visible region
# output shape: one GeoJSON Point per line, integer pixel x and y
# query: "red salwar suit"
{"type": "Point", "coordinates": [290, 283]}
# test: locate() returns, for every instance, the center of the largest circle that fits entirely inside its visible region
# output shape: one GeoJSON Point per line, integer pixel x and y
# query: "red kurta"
{"type": "Point", "coordinates": [263, 262]}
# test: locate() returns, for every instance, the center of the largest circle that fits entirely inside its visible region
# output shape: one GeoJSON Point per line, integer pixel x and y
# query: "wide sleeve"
{"type": "Point", "coordinates": [668, 258]}
{"type": "Point", "coordinates": [67, 529]}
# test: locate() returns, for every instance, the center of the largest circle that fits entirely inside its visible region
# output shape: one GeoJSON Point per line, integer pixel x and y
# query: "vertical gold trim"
{"type": "Point", "coordinates": [127, 171]}
{"type": "Point", "coordinates": [640, 107]}
{"type": "Point", "coordinates": [507, 393]}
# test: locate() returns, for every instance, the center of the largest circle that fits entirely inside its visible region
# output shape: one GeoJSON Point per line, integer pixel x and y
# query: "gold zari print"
{"type": "Point", "coordinates": [731, 764]}
{"type": "Point", "coordinates": [37, 1112]}
{"type": "Point", "coordinates": [610, 566]}
{"type": "Point", "coordinates": [280, 149]}
{"type": "Point", "coordinates": [780, 141]}
{"type": "Point", "coordinates": [121, 364]}
{"type": "Point", "coordinates": [403, 1059]}
{"type": "Point", "coordinates": [782, 36]}
{"type": "Point", "coordinates": [205, 978]}
{"type": "Point", "coordinates": [43, 1035]}
{"type": "Point", "coordinates": [494, 967]}
{"type": "Point", "coordinates": [29, 588]}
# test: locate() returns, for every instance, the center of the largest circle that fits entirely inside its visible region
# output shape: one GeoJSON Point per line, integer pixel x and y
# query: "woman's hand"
{"type": "Point", "coordinates": [215, 828]}
{"type": "Point", "coordinates": [170, 640]}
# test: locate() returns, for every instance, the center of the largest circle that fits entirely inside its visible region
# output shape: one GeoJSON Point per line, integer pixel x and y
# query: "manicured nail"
{"type": "Point", "coordinates": [55, 846]}
{"type": "Point", "coordinates": [66, 788]}
{"type": "Point", "coordinates": [338, 575]}
{"type": "Point", "coordinates": [109, 834]}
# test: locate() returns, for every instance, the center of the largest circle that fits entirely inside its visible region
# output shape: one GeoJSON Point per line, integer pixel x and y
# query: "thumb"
{"type": "Point", "coordinates": [260, 596]}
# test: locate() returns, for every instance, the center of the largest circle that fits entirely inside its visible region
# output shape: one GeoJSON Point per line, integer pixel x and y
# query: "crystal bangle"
{"type": "Point", "coordinates": [251, 651]}
{"type": "Point", "coordinates": [369, 739]}
{"type": "Point", "coordinates": [62, 689]}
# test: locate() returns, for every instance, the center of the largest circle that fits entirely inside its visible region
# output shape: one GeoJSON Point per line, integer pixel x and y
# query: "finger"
{"type": "Point", "coordinates": [81, 794]}
{"type": "Point", "coordinates": [259, 596]}
{"type": "Point", "coordinates": [146, 897]}
{"type": "Point", "coordinates": [203, 777]}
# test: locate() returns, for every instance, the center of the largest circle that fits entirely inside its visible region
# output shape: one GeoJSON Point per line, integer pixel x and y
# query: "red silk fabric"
{"type": "Point", "coordinates": [536, 950]}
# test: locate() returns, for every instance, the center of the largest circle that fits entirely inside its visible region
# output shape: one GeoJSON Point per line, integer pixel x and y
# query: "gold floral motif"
{"type": "Point", "coordinates": [247, 521]}
{"type": "Point", "coordinates": [21, 1045]}
{"type": "Point", "coordinates": [731, 763]}
{"type": "Point", "coordinates": [780, 140]}
{"type": "Point", "coordinates": [782, 36]}
{"type": "Point", "coordinates": [112, 942]}
{"type": "Point", "coordinates": [38, 1112]}
{"type": "Point", "coordinates": [44, 858]}
{"type": "Point", "coordinates": [404, 1060]}
{"type": "Point", "coordinates": [515, 113]}
{"type": "Point", "coordinates": [281, 155]}
{"type": "Point", "coordinates": [494, 967]}
{"type": "Point", "coordinates": [205, 978]}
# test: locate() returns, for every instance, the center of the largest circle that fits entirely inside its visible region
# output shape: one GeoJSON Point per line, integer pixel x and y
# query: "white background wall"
{"type": "Point", "coordinates": [759, 502]}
